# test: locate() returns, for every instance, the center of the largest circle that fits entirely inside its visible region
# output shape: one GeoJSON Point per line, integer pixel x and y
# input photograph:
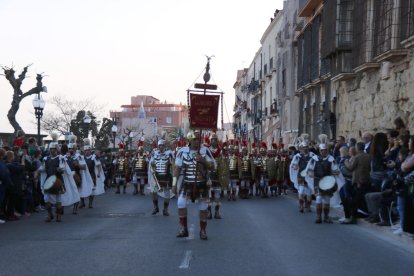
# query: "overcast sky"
{"type": "Point", "coordinates": [111, 50]}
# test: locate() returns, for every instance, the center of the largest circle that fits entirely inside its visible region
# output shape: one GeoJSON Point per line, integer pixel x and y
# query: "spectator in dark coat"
{"type": "Point", "coordinates": [14, 191]}
{"type": "Point", "coordinates": [5, 181]}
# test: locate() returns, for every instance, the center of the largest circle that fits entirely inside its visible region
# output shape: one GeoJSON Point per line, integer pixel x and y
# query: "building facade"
{"type": "Point", "coordinates": [339, 67]}
{"type": "Point", "coordinates": [150, 118]}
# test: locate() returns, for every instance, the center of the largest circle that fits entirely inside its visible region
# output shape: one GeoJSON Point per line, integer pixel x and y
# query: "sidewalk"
{"type": "Point", "coordinates": [383, 230]}
{"type": "Point", "coordinates": [386, 231]}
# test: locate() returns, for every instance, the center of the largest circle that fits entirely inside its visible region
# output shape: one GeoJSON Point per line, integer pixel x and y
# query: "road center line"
{"type": "Point", "coordinates": [185, 264]}
{"type": "Point", "coordinates": [191, 232]}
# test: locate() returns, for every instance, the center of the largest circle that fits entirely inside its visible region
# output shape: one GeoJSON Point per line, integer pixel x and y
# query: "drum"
{"type": "Point", "coordinates": [54, 185]}
{"type": "Point", "coordinates": [303, 173]}
{"type": "Point", "coordinates": [78, 180]}
{"type": "Point", "coordinates": [327, 184]}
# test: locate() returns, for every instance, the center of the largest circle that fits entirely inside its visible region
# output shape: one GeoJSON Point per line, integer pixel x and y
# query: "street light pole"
{"type": "Point", "coordinates": [39, 105]}
{"type": "Point", "coordinates": [87, 121]}
{"type": "Point", "coordinates": [114, 130]}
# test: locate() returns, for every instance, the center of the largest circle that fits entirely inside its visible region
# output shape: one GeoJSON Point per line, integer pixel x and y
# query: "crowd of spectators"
{"type": "Point", "coordinates": [20, 191]}
{"type": "Point", "coordinates": [379, 174]}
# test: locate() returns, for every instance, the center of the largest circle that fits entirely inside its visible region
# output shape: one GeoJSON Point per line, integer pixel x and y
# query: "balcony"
{"type": "Point", "coordinates": [308, 9]}
{"type": "Point", "coordinates": [253, 86]}
{"type": "Point", "coordinates": [392, 55]}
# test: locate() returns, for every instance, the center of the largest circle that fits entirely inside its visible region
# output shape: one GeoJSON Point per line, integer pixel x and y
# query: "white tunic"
{"type": "Point", "coordinates": [87, 183]}
{"type": "Point", "coordinates": [71, 194]}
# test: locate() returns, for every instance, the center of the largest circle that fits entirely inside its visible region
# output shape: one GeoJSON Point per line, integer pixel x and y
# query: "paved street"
{"type": "Point", "coordinates": [255, 237]}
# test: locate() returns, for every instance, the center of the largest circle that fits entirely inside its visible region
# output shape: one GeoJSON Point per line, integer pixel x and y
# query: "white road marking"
{"type": "Point", "coordinates": [185, 264]}
{"type": "Point", "coordinates": [191, 232]}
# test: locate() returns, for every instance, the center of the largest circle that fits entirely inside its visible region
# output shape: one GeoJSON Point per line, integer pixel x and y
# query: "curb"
{"type": "Point", "coordinates": [337, 213]}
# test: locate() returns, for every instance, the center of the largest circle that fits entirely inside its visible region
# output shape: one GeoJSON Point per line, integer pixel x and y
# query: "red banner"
{"type": "Point", "coordinates": [204, 110]}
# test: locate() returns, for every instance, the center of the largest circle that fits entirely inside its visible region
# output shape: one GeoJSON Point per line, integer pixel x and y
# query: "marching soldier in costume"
{"type": "Point", "coordinates": [255, 171]}
{"type": "Point", "coordinates": [85, 190]}
{"type": "Point", "coordinates": [282, 170]}
{"type": "Point", "coordinates": [245, 171]}
{"type": "Point", "coordinates": [234, 172]}
{"type": "Point", "coordinates": [94, 168]}
{"type": "Point", "coordinates": [121, 170]}
{"type": "Point", "coordinates": [195, 161]}
{"type": "Point", "coordinates": [72, 161]}
{"type": "Point", "coordinates": [128, 175]}
{"type": "Point", "coordinates": [297, 173]}
{"type": "Point", "coordinates": [140, 169]}
{"type": "Point", "coordinates": [215, 189]}
{"type": "Point", "coordinates": [223, 169]}
{"type": "Point", "coordinates": [261, 169]}
{"type": "Point", "coordinates": [317, 168]}
{"type": "Point", "coordinates": [63, 191]}
{"type": "Point", "coordinates": [161, 168]}
{"type": "Point", "coordinates": [272, 168]}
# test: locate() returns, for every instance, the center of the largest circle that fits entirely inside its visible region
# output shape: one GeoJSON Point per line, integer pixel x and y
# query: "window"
{"type": "Point", "coordinates": [168, 120]}
{"type": "Point", "coordinates": [407, 19]}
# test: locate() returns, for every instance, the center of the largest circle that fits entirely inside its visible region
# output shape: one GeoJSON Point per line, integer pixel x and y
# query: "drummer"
{"type": "Point", "coordinates": [56, 166]}
{"type": "Point", "coordinates": [297, 173]}
{"type": "Point", "coordinates": [317, 168]}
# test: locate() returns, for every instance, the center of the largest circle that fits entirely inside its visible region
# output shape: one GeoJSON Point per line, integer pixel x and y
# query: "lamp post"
{"type": "Point", "coordinates": [39, 105]}
{"type": "Point", "coordinates": [87, 121]}
{"type": "Point", "coordinates": [114, 130]}
{"type": "Point", "coordinates": [131, 135]}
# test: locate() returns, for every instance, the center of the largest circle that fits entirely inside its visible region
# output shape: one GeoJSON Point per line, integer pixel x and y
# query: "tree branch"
{"type": "Point", "coordinates": [34, 90]}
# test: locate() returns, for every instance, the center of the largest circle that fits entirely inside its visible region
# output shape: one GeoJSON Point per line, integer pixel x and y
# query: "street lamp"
{"type": "Point", "coordinates": [87, 121]}
{"type": "Point", "coordinates": [114, 130]}
{"type": "Point", "coordinates": [39, 105]}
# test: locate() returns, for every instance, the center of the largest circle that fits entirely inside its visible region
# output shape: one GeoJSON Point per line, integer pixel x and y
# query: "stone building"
{"type": "Point", "coordinates": [270, 72]}
{"type": "Point", "coordinates": [355, 66]}
{"type": "Point", "coordinates": [266, 102]}
{"type": "Point", "coordinates": [381, 86]}
{"type": "Point", "coordinates": [339, 67]}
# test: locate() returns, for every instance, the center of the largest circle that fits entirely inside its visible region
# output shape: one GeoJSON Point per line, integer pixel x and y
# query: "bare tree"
{"type": "Point", "coordinates": [18, 94]}
{"type": "Point", "coordinates": [64, 111]}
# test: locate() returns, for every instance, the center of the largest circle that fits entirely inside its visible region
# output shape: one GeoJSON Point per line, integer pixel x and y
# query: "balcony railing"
{"type": "Point", "coordinates": [253, 86]}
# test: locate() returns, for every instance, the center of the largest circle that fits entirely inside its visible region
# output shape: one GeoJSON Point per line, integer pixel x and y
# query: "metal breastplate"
{"type": "Point", "coordinates": [192, 170]}
{"type": "Point", "coordinates": [263, 162]}
{"type": "Point", "coordinates": [233, 163]}
{"type": "Point", "coordinates": [246, 164]}
{"type": "Point", "coordinates": [121, 165]}
{"type": "Point", "coordinates": [140, 163]}
{"type": "Point", "coordinates": [162, 162]}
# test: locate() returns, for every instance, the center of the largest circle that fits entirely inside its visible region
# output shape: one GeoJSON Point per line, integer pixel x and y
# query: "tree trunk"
{"type": "Point", "coordinates": [18, 94]}
{"type": "Point", "coordinates": [11, 115]}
